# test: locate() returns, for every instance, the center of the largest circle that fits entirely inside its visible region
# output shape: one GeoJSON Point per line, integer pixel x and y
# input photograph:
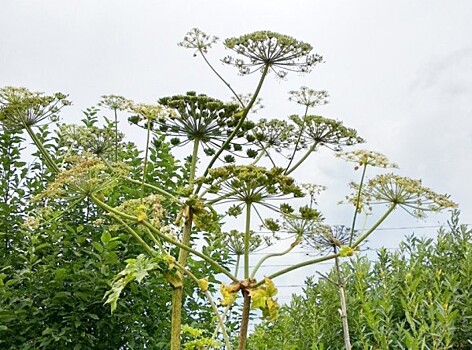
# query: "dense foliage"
{"type": "Point", "coordinates": [416, 297]}
{"type": "Point", "coordinates": [57, 261]}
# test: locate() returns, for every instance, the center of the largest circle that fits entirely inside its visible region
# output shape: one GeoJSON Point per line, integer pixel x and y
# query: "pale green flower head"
{"type": "Point", "coordinates": [98, 141]}
{"type": "Point", "coordinates": [313, 190]}
{"type": "Point", "coordinates": [309, 97]}
{"type": "Point", "coordinates": [328, 238]}
{"type": "Point", "coordinates": [87, 175]}
{"type": "Point", "coordinates": [366, 158]}
{"type": "Point", "coordinates": [404, 192]}
{"type": "Point", "coordinates": [198, 40]}
{"type": "Point", "coordinates": [326, 132]}
{"type": "Point", "coordinates": [115, 102]}
{"type": "Point", "coordinates": [144, 111]}
{"type": "Point", "coordinates": [147, 208]}
{"type": "Point", "coordinates": [280, 53]}
{"type": "Point", "coordinates": [243, 100]}
{"type": "Point", "coordinates": [234, 241]}
{"type": "Point", "coordinates": [20, 107]}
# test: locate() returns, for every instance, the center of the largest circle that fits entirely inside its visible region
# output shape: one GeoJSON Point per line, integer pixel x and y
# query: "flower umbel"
{"type": "Point", "coordinates": [407, 193]}
{"type": "Point", "coordinates": [115, 102]}
{"type": "Point", "coordinates": [309, 97]}
{"type": "Point", "coordinates": [280, 53]}
{"type": "Point", "coordinates": [20, 107]}
{"type": "Point", "coordinates": [317, 130]}
{"type": "Point", "coordinates": [363, 158]}
{"type": "Point", "coordinates": [198, 40]}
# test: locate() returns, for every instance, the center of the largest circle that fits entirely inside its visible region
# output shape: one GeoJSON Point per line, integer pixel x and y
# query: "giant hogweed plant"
{"type": "Point", "coordinates": [238, 166]}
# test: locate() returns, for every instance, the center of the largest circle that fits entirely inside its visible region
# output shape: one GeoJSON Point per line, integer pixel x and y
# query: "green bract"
{"type": "Point", "coordinates": [280, 53]}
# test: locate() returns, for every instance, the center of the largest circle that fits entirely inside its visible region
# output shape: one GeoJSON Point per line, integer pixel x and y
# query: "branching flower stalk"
{"type": "Point", "coordinates": [201, 42]}
{"type": "Point", "coordinates": [273, 255]}
{"type": "Point", "coordinates": [308, 98]}
{"type": "Point", "coordinates": [162, 236]}
{"type": "Point", "coordinates": [115, 103]}
{"type": "Point", "coordinates": [242, 118]}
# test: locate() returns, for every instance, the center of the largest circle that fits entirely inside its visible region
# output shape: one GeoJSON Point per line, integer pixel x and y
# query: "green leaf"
{"type": "Point", "coordinates": [98, 247]}
{"type": "Point", "coordinates": [106, 237]}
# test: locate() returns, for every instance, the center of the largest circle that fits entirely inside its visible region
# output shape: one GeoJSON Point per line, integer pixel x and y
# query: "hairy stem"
{"type": "Point", "coordinates": [51, 165]}
{"type": "Point", "coordinates": [212, 304]}
{"type": "Point", "coordinates": [244, 320]}
{"type": "Point", "coordinates": [247, 236]}
{"type": "Point", "coordinates": [297, 266]}
{"type": "Point", "coordinates": [343, 310]}
{"type": "Point", "coordinates": [193, 164]}
{"type": "Point", "coordinates": [236, 268]}
{"type": "Point", "coordinates": [165, 238]}
{"type": "Point", "coordinates": [135, 235]}
{"type": "Point", "coordinates": [178, 292]}
{"type": "Point", "coordinates": [152, 187]}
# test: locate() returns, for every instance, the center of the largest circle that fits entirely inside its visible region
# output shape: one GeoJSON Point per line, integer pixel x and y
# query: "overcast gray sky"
{"type": "Point", "coordinates": [400, 72]}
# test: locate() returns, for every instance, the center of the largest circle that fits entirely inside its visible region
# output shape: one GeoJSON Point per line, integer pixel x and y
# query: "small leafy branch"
{"type": "Point", "coordinates": [241, 170]}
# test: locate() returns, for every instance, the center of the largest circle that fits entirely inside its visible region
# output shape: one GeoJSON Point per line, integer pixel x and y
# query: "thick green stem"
{"type": "Point", "coordinates": [176, 318]}
{"type": "Point", "coordinates": [212, 304]}
{"type": "Point", "coordinates": [247, 236]}
{"type": "Point", "coordinates": [236, 268]}
{"type": "Point", "coordinates": [305, 156]}
{"type": "Point", "coordinates": [244, 320]}
{"type": "Point", "coordinates": [152, 187]}
{"type": "Point", "coordinates": [240, 123]}
{"type": "Point", "coordinates": [212, 262]}
{"type": "Point", "coordinates": [297, 266]}
{"type": "Point", "coordinates": [193, 164]}
{"type": "Point", "coordinates": [52, 166]}
{"type": "Point", "coordinates": [209, 260]}
{"type": "Point", "coordinates": [374, 227]}
{"type": "Point", "coordinates": [358, 200]}
{"type": "Point", "coordinates": [135, 235]}
{"type": "Point", "coordinates": [178, 292]}
{"type": "Point", "coordinates": [272, 255]}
